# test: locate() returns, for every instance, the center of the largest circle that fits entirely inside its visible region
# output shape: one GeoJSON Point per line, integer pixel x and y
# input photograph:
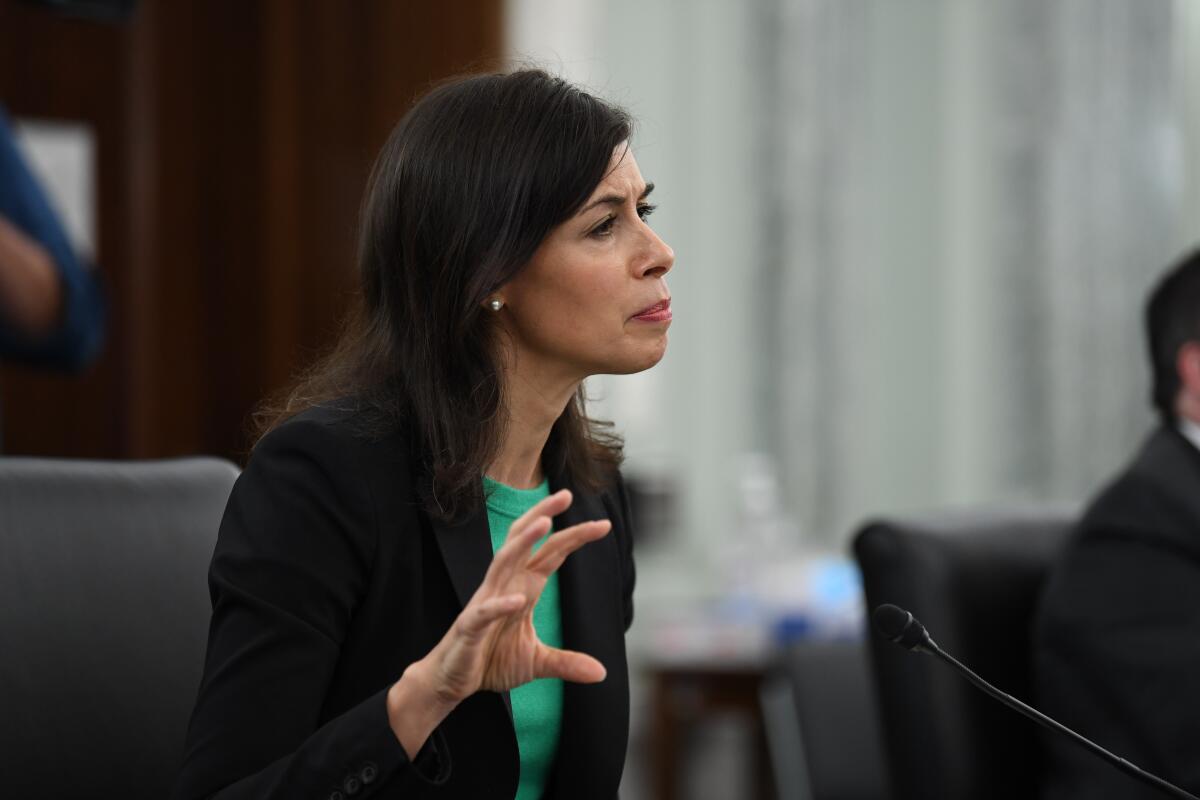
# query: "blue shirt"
{"type": "Point", "coordinates": [80, 333]}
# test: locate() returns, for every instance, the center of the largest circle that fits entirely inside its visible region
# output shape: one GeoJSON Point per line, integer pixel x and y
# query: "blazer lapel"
{"type": "Point", "coordinates": [1174, 463]}
{"type": "Point", "coordinates": [595, 716]}
{"type": "Point", "coordinates": [466, 548]}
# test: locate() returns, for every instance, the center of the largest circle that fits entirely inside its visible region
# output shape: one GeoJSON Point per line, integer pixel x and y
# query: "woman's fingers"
{"type": "Point", "coordinates": [554, 552]}
{"type": "Point", "coordinates": [569, 665]}
{"type": "Point", "coordinates": [475, 619]}
{"type": "Point", "coordinates": [527, 529]}
{"type": "Point", "coordinates": [549, 506]}
{"type": "Point", "coordinates": [513, 554]}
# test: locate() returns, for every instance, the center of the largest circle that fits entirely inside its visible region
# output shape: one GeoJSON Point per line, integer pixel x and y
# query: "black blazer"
{"type": "Point", "coordinates": [328, 580]}
{"type": "Point", "coordinates": [1117, 636]}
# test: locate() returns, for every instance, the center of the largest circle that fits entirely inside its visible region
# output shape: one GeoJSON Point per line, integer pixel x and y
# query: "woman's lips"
{"type": "Point", "coordinates": [659, 312]}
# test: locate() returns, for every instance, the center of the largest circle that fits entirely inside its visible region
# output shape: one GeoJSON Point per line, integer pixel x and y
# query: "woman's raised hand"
{"type": "Point", "coordinates": [492, 645]}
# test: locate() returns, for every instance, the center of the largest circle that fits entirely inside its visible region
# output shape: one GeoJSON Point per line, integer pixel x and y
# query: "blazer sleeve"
{"type": "Point", "coordinates": [293, 555]}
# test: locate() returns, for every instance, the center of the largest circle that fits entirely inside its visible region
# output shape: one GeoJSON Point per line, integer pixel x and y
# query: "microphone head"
{"type": "Point", "coordinates": [900, 627]}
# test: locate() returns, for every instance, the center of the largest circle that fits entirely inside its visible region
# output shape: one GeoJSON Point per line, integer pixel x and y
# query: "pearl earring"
{"type": "Point", "coordinates": [496, 304]}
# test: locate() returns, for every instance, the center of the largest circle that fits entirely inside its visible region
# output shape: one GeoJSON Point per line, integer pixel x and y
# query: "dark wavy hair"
{"type": "Point", "coordinates": [1172, 320]}
{"type": "Point", "coordinates": [470, 182]}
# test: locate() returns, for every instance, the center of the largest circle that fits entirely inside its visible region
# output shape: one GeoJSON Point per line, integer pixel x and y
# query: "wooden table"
{"type": "Point", "coordinates": [683, 694]}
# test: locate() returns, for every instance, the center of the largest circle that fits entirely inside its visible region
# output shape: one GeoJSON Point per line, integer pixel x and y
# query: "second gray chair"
{"type": "Point", "coordinates": [973, 579]}
{"type": "Point", "coordinates": [103, 618]}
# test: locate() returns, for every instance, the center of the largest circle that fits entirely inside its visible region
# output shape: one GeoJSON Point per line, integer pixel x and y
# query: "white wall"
{"type": "Point", "coordinates": [1187, 13]}
{"type": "Point", "coordinates": [924, 391]}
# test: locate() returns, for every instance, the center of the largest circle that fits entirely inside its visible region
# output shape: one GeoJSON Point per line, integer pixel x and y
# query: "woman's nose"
{"type": "Point", "coordinates": [659, 257]}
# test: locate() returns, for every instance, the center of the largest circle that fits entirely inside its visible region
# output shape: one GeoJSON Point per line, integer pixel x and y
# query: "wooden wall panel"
{"type": "Point", "coordinates": [59, 68]}
{"type": "Point", "coordinates": [235, 141]}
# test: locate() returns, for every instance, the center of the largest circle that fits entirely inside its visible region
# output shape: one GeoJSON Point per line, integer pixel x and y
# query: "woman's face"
{"type": "Point", "coordinates": [573, 310]}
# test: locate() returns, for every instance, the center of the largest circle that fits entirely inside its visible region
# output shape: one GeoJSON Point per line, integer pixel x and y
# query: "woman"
{"type": "Point", "coordinates": [390, 617]}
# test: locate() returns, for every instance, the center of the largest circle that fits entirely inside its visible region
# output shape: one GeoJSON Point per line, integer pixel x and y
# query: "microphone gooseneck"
{"type": "Point", "coordinates": [901, 627]}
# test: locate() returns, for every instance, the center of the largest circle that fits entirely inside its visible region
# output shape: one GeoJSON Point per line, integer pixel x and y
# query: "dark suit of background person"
{"type": "Point", "coordinates": [328, 580]}
{"type": "Point", "coordinates": [1117, 638]}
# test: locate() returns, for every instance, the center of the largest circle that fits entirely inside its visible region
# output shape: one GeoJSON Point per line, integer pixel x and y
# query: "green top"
{"type": "Point", "coordinates": [536, 706]}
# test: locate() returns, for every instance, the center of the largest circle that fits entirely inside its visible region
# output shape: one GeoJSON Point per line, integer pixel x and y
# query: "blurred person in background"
{"type": "Point", "coordinates": [1117, 637]}
{"type": "Point", "coordinates": [389, 614]}
{"type": "Point", "coordinates": [52, 308]}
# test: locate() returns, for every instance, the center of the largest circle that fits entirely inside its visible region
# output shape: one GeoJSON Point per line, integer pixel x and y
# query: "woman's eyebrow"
{"type": "Point", "coordinates": [615, 199]}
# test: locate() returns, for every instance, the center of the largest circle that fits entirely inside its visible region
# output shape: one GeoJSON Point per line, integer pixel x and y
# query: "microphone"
{"type": "Point", "coordinates": [902, 628]}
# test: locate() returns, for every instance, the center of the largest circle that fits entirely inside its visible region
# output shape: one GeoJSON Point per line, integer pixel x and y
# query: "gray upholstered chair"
{"type": "Point", "coordinates": [103, 619]}
{"type": "Point", "coordinates": [973, 579]}
{"type": "Point", "coordinates": [822, 723]}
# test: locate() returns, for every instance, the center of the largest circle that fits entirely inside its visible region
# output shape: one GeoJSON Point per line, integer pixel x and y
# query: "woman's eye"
{"type": "Point", "coordinates": [604, 228]}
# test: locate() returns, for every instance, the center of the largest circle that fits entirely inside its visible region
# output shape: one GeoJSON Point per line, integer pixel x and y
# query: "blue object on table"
{"type": "Point", "coordinates": [832, 609]}
{"type": "Point", "coordinates": [791, 628]}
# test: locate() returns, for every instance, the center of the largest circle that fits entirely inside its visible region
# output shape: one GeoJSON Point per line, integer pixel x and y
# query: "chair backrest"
{"type": "Point", "coordinates": [103, 618]}
{"type": "Point", "coordinates": [822, 723]}
{"type": "Point", "coordinates": [973, 579]}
